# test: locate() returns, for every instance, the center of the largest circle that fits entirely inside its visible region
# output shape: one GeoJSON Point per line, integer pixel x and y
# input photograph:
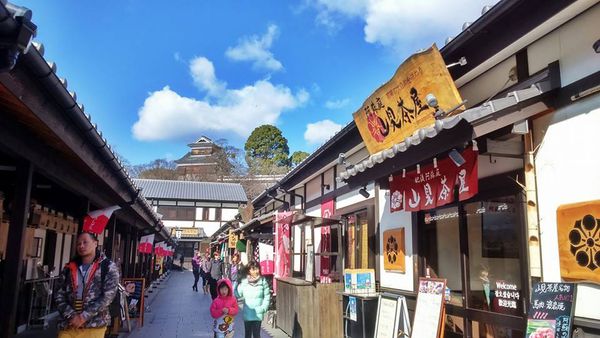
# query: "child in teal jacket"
{"type": "Point", "coordinates": [254, 291]}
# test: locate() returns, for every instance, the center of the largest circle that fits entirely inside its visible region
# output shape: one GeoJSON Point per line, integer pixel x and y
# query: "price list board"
{"type": "Point", "coordinates": [551, 310]}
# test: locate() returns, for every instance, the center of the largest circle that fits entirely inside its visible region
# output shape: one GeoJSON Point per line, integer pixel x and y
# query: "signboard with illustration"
{"type": "Point", "coordinates": [578, 227]}
{"type": "Point", "coordinates": [393, 255]}
{"type": "Point", "coordinates": [551, 310]}
{"type": "Point", "coordinates": [398, 108]}
{"type": "Point", "coordinates": [134, 287]}
{"type": "Point", "coordinates": [430, 308]}
{"type": "Point", "coordinates": [359, 281]}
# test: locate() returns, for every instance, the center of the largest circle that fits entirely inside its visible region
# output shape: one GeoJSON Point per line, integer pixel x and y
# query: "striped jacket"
{"type": "Point", "coordinates": [96, 300]}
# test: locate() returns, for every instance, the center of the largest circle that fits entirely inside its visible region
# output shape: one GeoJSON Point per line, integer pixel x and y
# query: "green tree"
{"type": "Point", "coordinates": [297, 157]}
{"type": "Point", "coordinates": [266, 150]}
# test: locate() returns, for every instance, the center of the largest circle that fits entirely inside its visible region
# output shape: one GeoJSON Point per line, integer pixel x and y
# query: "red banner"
{"type": "Point", "coordinates": [146, 244]}
{"type": "Point", "coordinates": [327, 211]}
{"type": "Point", "coordinates": [95, 221]}
{"type": "Point", "coordinates": [433, 186]}
{"type": "Point", "coordinates": [282, 244]}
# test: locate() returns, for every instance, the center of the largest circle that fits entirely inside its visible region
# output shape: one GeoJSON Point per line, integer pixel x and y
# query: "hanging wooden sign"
{"type": "Point", "coordinates": [429, 312]}
{"type": "Point", "coordinates": [233, 238]}
{"type": "Point", "coordinates": [578, 227]}
{"type": "Point", "coordinates": [398, 108]}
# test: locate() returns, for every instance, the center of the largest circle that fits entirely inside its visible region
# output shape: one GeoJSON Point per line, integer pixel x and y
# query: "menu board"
{"type": "Point", "coordinates": [134, 287]}
{"type": "Point", "coordinates": [392, 317]}
{"type": "Point", "coordinates": [430, 302]}
{"type": "Point", "coordinates": [551, 310]}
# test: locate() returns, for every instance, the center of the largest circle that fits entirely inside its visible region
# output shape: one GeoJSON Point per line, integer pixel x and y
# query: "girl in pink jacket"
{"type": "Point", "coordinates": [223, 309]}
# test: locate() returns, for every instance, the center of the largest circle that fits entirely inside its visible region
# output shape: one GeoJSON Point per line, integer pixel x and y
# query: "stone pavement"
{"type": "Point", "coordinates": [175, 311]}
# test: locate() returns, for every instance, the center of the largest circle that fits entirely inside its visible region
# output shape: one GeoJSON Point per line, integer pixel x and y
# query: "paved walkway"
{"type": "Point", "coordinates": [177, 311]}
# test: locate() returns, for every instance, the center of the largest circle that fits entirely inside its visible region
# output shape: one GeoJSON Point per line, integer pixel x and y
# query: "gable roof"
{"type": "Point", "coordinates": [191, 190]}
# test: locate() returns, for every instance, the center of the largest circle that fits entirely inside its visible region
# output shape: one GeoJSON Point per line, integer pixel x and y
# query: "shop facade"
{"type": "Point", "coordinates": [533, 137]}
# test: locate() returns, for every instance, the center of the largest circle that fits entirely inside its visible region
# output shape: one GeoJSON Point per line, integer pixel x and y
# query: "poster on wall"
{"type": "Point", "coordinates": [430, 304]}
{"type": "Point", "coordinates": [551, 310]}
{"type": "Point", "coordinates": [265, 254]}
{"type": "Point", "coordinates": [433, 185]}
{"type": "Point", "coordinates": [398, 108]}
{"type": "Point", "coordinates": [134, 287]}
{"type": "Point", "coordinates": [578, 227]}
{"type": "Point", "coordinates": [394, 251]}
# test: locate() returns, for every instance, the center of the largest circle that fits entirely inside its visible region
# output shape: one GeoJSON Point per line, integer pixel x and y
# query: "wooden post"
{"type": "Point", "coordinates": [127, 259]}
{"type": "Point", "coordinates": [109, 243]}
{"type": "Point", "coordinates": [533, 229]}
{"type": "Point", "coordinates": [11, 281]}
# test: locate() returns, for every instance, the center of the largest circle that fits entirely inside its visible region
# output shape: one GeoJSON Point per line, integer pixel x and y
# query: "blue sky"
{"type": "Point", "coordinates": [156, 75]}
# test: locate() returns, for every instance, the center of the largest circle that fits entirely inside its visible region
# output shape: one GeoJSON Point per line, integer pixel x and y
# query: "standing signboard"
{"type": "Point", "coordinates": [392, 317]}
{"type": "Point", "coordinates": [429, 311]}
{"type": "Point", "coordinates": [135, 289]}
{"type": "Point", "coordinates": [551, 310]}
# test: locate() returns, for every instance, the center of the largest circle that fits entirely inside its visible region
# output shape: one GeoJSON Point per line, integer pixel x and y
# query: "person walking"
{"type": "Point", "coordinates": [205, 272]}
{"type": "Point", "coordinates": [234, 270]}
{"type": "Point", "coordinates": [196, 269]}
{"type": "Point", "coordinates": [223, 309]}
{"type": "Point", "coordinates": [255, 293]}
{"type": "Point", "coordinates": [216, 273]}
{"type": "Point", "coordinates": [87, 286]}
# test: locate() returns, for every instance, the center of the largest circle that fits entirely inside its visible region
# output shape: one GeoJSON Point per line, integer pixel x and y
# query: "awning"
{"type": "Point", "coordinates": [446, 134]}
{"type": "Point", "coordinates": [262, 219]}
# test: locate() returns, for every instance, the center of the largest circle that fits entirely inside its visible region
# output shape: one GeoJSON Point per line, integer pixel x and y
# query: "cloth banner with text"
{"type": "Point", "coordinates": [398, 108]}
{"type": "Point", "coordinates": [282, 245]}
{"type": "Point", "coordinates": [327, 211]}
{"type": "Point", "coordinates": [146, 243]}
{"type": "Point", "coordinates": [159, 249]}
{"type": "Point", "coordinates": [432, 186]}
{"type": "Point", "coordinates": [95, 221]}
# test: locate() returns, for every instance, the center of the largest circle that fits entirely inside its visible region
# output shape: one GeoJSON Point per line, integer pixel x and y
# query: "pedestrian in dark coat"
{"type": "Point", "coordinates": [216, 273]}
{"type": "Point", "coordinates": [84, 294]}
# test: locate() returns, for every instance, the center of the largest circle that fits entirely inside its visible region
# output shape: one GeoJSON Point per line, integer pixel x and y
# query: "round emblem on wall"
{"type": "Point", "coordinates": [391, 249]}
{"type": "Point", "coordinates": [585, 242]}
{"type": "Point", "coordinates": [396, 200]}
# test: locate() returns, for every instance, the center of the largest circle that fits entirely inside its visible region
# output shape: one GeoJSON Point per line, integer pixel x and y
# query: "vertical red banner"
{"type": "Point", "coordinates": [282, 245]}
{"type": "Point", "coordinates": [327, 211]}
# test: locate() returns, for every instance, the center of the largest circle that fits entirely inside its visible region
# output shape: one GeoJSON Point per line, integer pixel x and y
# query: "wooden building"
{"type": "Point", "coordinates": [55, 167]}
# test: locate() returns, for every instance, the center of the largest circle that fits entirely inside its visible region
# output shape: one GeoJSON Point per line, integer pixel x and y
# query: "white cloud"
{"type": "Point", "coordinates": [177, 57]}
{"type": "Point", "coordinates": [337, 104]}
{"type": "Point", "coordinates": [393, 22]}
{"type": "Point", "coordinates": [166, 114]}
{"type": "Point", "coordinates": [203, 73]}
{"type": "Point", "coordinates": [319, 132]}
{"type": "Point", "coordinates": [256, 50]}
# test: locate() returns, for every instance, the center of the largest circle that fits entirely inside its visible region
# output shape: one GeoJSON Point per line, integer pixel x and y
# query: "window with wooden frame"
{"type": "Point", "coordinates": [359, 240]}
{"type": "Point", "coordinates": [306, 260]}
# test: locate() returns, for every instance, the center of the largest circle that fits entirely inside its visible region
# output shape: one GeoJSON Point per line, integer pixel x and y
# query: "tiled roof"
{"type": "Point", "coordinates": [200, 159]}
{"type": "Point", "coordinates": [189, 190]}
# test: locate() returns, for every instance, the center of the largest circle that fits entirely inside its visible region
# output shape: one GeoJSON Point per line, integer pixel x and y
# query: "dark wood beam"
{"type": "Point", "coordinates": [11, 280]}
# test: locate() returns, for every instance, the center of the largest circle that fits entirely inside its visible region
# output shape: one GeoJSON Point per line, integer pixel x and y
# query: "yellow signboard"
{"type": "Point", "coordinates": [579, 241]}
{"type": "Point", "coordinates": [233, 238]}
{"type": "Point", "coordinates": [398, 108]}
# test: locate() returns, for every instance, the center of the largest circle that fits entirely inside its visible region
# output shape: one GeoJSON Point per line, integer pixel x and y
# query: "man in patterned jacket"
{"type": "Point", "coordinates": [87, 287]}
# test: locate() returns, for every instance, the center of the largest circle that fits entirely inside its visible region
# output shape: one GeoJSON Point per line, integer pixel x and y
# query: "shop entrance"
{"type": "Point", "coordinates": [477, 246]}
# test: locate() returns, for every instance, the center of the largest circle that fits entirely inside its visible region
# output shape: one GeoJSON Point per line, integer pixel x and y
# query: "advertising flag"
{"type": "Point", "coordinates": [146, 244]}
{"type": "Point", "coordinates": [95, 221]}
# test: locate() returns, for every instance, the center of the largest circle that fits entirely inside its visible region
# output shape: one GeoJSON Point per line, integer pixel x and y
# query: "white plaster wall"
{"type": "Point", "coordinates": [183, 224]}
{"type": "Point", "coordinates": [388, 279]}
{"type": "Point", "coordinates": [313, 188]}
{"type": "Point", "coordinates": [212, 214]}
{"type": "Point", "coordinates": [228, 214]}
{"type": "Point", "coordinates": [496, 165]}
{"type": "Point", "coordinates": [328, 179]}
{"type": "Point", "coordinates": [489, 83]}
{"type": "Point", "coordinates": [572, 45]}
{"type": "Point", "coordinates": [66, 251]}
{"type": "Point", "coordinates": [314, 211]}
{"type": "Point", "coordinates": [353, 197]}
{"type": "Point", "coordinates": [297, 199]}
{"type": "Point", "coordinates": [58, 250]}
{"type": "Point", "coordinates": [567, 172]}
{"type": "Point", "coordinates": [297, 229]}
{"type": "Point", "coordinates": [199, 213]}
